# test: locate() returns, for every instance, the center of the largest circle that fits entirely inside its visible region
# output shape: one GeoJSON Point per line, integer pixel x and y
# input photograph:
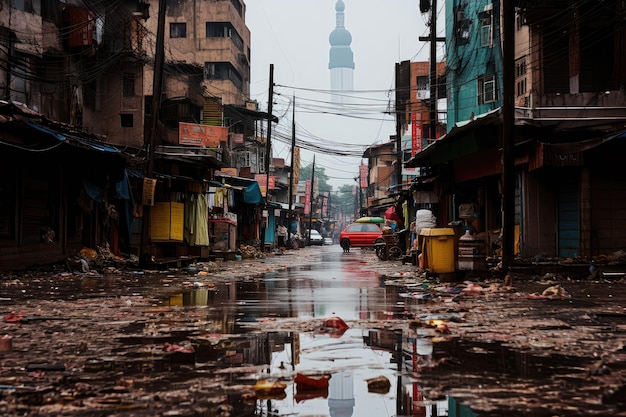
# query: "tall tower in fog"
{"type": "Point", "coordinates": [341, 64]}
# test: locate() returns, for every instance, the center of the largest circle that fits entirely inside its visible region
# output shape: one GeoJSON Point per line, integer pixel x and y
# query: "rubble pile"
{"type": "Point", "coordinates": [250, 252]}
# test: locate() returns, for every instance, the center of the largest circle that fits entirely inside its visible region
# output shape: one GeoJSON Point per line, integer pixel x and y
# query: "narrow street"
{"type": "Point", "coordinates": [232, 338]}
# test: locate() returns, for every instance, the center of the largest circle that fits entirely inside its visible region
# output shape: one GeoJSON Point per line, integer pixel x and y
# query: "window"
{"type": "Point", "coordinates": [521, 87]}
{"type": "Point", "coordinates": [20, 82]}
{"type": "Point", "coordinates": [520, 67]}
{"type": "Point", "coordinates": [486, 31]}
{"type": "Point", "coordinates": [423, 87]}
{"type": "Point", "coordinates": [520, 76]}
{"type": "Point", "coordinates": [486, 89]}
{"type": "Point", "coordinates": [128, 85]}
{"type": "Point", "coordinates": [224, 30]}
{"type": "Point", "coordinates": [222, 71]}
{"type": "Point", "coordinates": [218, 30]}
{"type": "Point", "coordinates": [178, 30]}
{"type": "Point", "coordinates": [243, 159]}
{"type": "Point", "coordinates": [519, 22]}
{"type": "Point", "coordinates": [237, 5]}
{"type": "Point", "coordinates": [461, 25]}
{"type": "Point", "coordinates": [370, 228]}
{"type": "Point", "coordinates": [29, 6]}
{"type": "Point", "coordinates": [212, 71]}
{"type": "Point", "coordinates": [173, 7]}
{"type": "Point", "coordinates": [126, 120]}
{"type": "Point", "coordinates": [258, 161]}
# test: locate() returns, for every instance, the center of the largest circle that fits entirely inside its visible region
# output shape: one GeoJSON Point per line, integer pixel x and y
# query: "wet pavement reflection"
{"type": "Point", "coordinates": [339, 286]}
{"type": "Point", "coordinates": [338, 334]}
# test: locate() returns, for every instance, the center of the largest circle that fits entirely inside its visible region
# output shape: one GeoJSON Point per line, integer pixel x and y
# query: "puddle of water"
{"type": "Point", "coordinates": [350, 363]}
{"type": "Point", "coordinates": [340, 287]}
{"type": "Point", "coordinates": [346, 289]}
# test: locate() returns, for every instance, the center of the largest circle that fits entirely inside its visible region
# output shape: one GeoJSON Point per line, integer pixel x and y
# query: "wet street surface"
{"type": "Point", "coordinates": [313, 332]}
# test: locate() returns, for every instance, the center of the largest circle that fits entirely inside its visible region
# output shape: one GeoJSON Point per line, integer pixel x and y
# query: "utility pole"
{"type": "Point", "coordinates": [399, 119]}
{"type": "Point", "coordinates": [433, 71]}
{"type": "Point", "coordinates": [308, 237]}
{"type": "Point", "coordinates": [145, 251]}
{"type": "Point", "coordinates": [433, 39]}
{"type": "Point", "coordinates": [508, 135]}
{"type": "Point", "coordinates": [328, 206]}
{"type": "Point", "coordinates": [293, 160]}
{"type": "Point", "coordinates": [268, 148]}
{"type": "Point", "coordinates": [360, 190]}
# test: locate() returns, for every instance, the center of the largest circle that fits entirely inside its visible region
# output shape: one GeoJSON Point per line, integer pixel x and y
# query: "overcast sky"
{"type": "Point", "coordinates": [293, 36]}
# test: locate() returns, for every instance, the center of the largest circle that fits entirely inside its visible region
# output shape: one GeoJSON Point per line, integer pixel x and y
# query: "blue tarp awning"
{"type": "Point", "coordinates": [71, 139]}
{"type": "Point", "coordinates": [42, 129]}
{"type": "Point", "coordinates": [251, 190]}
{"type": "Point", "coordinates": [252, 194]}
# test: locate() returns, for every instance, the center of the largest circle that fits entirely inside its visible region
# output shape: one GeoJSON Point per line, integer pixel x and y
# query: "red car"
{"type": "Point", "coordinates": [360, 235]}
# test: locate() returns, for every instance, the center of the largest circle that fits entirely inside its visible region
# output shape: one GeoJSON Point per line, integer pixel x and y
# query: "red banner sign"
{"type": "Point", "coordinates": [201, 135]}
{"type": "Point", "coordinates": [363, 180]}
{"type": "Point", "coordinates": [307, 197]}
{"type": "Point", "coordinates": [416, 135]}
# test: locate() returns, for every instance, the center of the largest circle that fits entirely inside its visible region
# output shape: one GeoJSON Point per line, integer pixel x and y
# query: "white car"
{"type": "Point", "coordinates": [313, 238]}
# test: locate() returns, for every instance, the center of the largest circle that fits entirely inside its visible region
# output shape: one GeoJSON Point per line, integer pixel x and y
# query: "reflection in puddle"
{"type": "Point", "coordinates": [369, 369]}
{"type": "Point", "coordinates": [349, 362]}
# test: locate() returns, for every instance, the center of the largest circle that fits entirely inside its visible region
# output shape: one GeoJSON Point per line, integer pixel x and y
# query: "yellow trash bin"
{"type": "Point", "coordinates": [438, 249]}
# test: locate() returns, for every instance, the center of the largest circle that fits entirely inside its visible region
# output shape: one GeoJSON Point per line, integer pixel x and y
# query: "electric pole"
{"type": "Point", "coordinates": [145, 249]}
{"type": "Point", "coordinates": [433, 71]}
{"type": "Point", "coordinates": [308, 237]}
{"type": "Point", "coordinates": [433, 39]}
{"type": "Point", "coordinates": [268, 148]}
{"type": "Point", "coordinates": [293, 160]}
{"type": "Point", "coordinates": [508, 135]}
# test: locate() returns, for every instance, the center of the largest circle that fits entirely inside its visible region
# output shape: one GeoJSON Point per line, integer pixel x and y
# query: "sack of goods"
{"type": "Point", "coordinates": [424, 219]}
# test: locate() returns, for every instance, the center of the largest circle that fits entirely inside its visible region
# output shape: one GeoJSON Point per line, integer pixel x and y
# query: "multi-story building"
{"type": "Point", "coordinates": [474, 59]}
{"type": "Point", "coordinates": [380, 177]}
{"type": "Point", "coordinates": [86, 70]}
{"type": "Point", "coordinates": [570, 116]}
{"type": "Point", "coordinates": [413, 113]}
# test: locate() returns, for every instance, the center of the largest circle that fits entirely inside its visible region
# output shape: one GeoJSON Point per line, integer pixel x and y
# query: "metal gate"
{"type": "Point", "coordinates": [568, 220]}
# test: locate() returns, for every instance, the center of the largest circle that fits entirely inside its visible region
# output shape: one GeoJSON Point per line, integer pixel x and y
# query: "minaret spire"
{"type": "Point", "coordinates": [341, 63]}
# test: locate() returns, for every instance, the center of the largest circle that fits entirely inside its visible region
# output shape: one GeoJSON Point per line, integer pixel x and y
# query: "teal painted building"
{"type": "Point", "coordinates": [474, 59]}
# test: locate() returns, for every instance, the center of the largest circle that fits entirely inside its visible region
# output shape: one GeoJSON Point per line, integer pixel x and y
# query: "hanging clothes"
{"type": "Point", "coordinates": [196, 220]}
{"type": "Point", "coordinates": [219, 197]}
{"type": "Point", "coordinates": [211, 197]}
{"type": "Point", "coordinates": [405, 212]}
